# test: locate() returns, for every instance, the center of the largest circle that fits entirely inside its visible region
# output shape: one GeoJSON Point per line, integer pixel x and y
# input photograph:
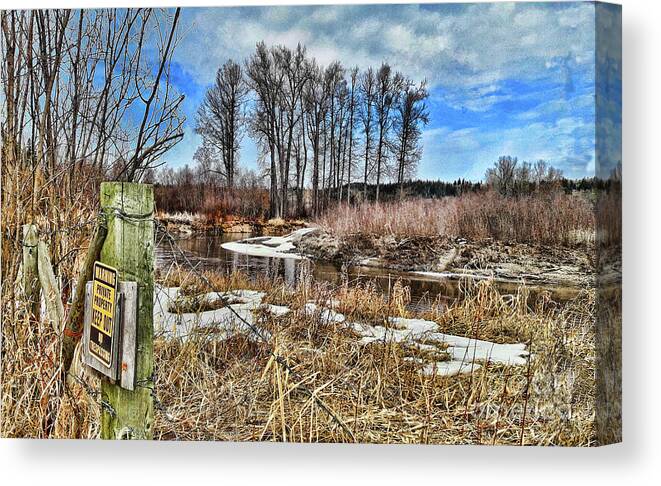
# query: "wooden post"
{"type": "Point", "coordinates": [129, 247]}
{"type": "Point", "coordinates": [74, 325]}
{"type": "Point", "coordinates": [30, 269]}
{"type": "Point", "coordinates": [51, 290]}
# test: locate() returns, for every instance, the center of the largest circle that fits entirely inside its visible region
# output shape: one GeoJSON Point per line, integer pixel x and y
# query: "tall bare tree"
{"type": "Point", "coordinates": [296, 70]}
{"type": "Point", "coordinates": [221, 116]}
{"type": "Point", "coordinates": [315, 101]}
{"type": "Point", "coordinates": [367, 117]}
{"type": "Point", "coordinates": [353, 100]}
{"type": "Point", "coordinates": [278, 76]}
{"type": "Point", "coordinates": [412, 114]}
{"type": "Point", "coordinates": [267, 81]}
{"type": "Point", "coordinates": [388, 86]}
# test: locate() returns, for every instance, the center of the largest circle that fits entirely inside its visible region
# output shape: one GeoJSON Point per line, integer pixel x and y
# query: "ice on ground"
{"type": "Point", "coordinates": [226, 320]}
{"type": "Point", "coordinates": [464, 349]}
{"type": "Point", "coordinates": [235, 296]}
{"type": "Point", "coordinates": [421, 333]}
{"type": "Point", "coordinates": [416, 333]}
{"type": "Point", "coordinates": [328, 315]}
{"type": "Point", "coordinates": [276, 310]}
{"type": "Point", "coordinates": [269, 246]}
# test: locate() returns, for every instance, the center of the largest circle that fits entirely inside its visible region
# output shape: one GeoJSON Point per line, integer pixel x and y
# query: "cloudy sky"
{"type": "Point", "coordinates": [505, 78]}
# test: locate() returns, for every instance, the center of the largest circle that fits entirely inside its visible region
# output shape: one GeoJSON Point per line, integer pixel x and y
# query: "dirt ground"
{"type": "Point", "coordinates": [458, 257]}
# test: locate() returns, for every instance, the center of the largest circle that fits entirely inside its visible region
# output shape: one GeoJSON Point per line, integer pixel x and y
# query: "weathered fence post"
{"type": "Point", "coordinates": [129, 247]}
{"type": "Point", "coordinates": [50, 288]}
{"type": "Point", "coordinates": [31, 286]}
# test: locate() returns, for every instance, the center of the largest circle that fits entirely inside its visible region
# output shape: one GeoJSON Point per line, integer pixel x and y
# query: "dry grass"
{"type": "Point", "coordinates": [233, 390]}
{"type": "Point", "coordinates": [211, 389]}
{"type": "Point", "coordinates": [541, 218]}
{"type": "Point", "coordinates": [34, 399]}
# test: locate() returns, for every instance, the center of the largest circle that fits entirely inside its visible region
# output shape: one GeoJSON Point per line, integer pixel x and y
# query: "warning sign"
{"type": "Point", "coordinates": [104, 302]}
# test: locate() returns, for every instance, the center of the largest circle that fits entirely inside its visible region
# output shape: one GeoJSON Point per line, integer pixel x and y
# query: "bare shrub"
{"type": "Point", "coordinates": [409, 217]}
{"type": "Point", "coordinates": [540, 218]}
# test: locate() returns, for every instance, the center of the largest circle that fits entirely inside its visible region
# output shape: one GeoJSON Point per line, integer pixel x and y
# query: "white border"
{"type": "Point", "coordinates": [636, 461]}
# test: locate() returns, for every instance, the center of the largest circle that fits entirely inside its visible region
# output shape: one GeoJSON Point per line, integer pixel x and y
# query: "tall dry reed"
{"type": "Point", "coordinates": [540, 218]}
{"type": "Point", "coordinates": [35, 402]}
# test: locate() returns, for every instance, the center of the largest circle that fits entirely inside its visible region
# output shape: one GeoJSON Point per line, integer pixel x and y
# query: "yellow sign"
{"type": "Point", "coordinates": [104, 302]}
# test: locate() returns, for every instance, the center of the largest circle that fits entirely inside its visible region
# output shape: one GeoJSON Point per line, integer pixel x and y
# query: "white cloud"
{"type": "Point", "coordinates": [557, 106]}
{"type": "Point", "coordinates": [471, 45]}
{"type": "Point", "coordinates": [467, 52]}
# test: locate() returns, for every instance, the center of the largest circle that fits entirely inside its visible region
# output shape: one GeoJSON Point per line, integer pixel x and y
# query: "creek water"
{"type": "Point", "coordinates": [206, 252]}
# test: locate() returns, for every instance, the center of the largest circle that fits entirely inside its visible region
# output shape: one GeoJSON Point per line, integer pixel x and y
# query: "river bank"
{"type": "Point", "coordinates": [433, 256]}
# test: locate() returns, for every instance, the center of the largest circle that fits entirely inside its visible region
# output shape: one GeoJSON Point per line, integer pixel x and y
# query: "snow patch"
{"type": "Point", "coordinates": [416, 333]}
{"type": "Point", "coordinates": [226, 320]}
{"type": "Point", "coordinates": [420, 334]}
{"type": "Point", "coordinates": [269, 246]}
{"type": "Point", "coordinates": [328, 315]}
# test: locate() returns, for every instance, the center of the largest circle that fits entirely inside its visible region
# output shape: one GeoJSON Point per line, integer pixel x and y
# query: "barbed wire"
{"type": "Point", "coordinates": [96, 394]}
{"type": "Point", "coordinates": [73, 227]}
{"type": "Point", "coordinates": [101, 216]}
{"type": "Point", "coordinates": [150, 382]}
{"type": "Point", "coordinates": [281, 361]}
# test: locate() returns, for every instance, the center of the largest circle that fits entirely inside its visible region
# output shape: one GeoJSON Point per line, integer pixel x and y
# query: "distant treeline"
{"type": "Point", "coordinates": [181, 191]}
{"type": "Point", "coordinates": [426, 189]}
{"type": "Point", "coordinates": [433, 189]}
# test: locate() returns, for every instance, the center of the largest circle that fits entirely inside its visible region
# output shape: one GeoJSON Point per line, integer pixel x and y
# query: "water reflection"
{"type": "Point", "coordinates": [206, 252]}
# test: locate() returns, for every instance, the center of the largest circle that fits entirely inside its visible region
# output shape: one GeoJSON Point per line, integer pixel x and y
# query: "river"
{"type": "Point", "coordinates": [206, 252]}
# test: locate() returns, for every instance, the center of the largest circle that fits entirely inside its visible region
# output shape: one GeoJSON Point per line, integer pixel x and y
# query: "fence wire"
{"type": "Point", "coordinates": [161, 234]}
{"type": "Point", "coordinates": [256, 331]}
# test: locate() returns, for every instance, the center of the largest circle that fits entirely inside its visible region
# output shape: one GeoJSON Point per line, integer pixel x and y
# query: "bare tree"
{"type": "Point", "coordinates": [353, 100]}
{"type": "Point", "coordinates": [296, 70]}
{"type": "Point", "coordinates": [161, 126]}
{"type": "Point", "coordinates": [267, 81]}
{"type": "Point", "coordinates": [315, 101]}
{"type": "Point", "coordinates": [539, 170]}
{"type": "Point", "coordinates": [388, 86]}
{"type": "Point", "coordinates": [501, 175]}
{"type": "Point", "coordinates": [278, 76]}
{"type": "Point", "coordinates": [367, 116]}
{"type": "Point", "coordinates": [510, 177]}
{"type": "Point", "coordinates": [220, 118]}
{"type": "Point", "coordinates": [412, 113]}
{"type": "Point", "coordinates": [66, 105]}
{"type": "Point", "coordinates": [336, 93]}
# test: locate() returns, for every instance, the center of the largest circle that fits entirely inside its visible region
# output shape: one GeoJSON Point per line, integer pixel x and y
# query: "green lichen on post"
{"type": "Point", "coordinates": [129, 247]}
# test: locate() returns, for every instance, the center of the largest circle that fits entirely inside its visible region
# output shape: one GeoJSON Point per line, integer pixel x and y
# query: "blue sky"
{"type": "Point", "coordinates": [505, 78]}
